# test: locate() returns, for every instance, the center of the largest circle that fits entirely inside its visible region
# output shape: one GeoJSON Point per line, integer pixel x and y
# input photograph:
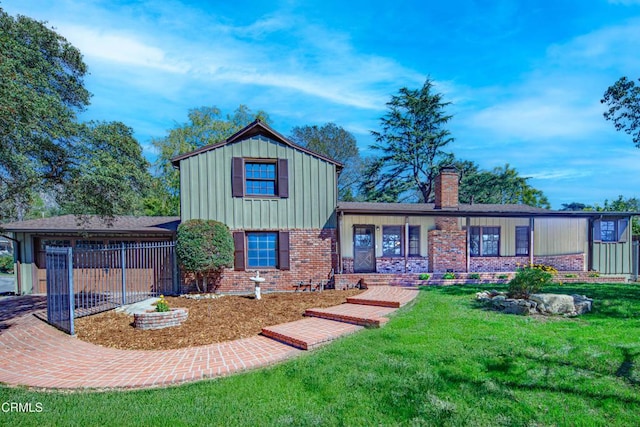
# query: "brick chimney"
{"type": "Point", "coordinates": [447, 188]}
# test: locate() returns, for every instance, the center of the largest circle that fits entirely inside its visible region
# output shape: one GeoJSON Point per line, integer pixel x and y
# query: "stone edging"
{"type": "Point", "coordinates": [160, 319]}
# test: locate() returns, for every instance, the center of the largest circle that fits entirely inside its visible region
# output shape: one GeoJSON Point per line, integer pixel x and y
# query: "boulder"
{"type": "Point", "coordinates": [554, 303]}
{"type": "Point", "coordinates": [582, 303]}
{"type": "Point", "coordinates": [518, 306]}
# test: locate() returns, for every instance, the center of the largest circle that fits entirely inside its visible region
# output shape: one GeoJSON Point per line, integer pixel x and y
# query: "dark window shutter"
{"type": "Point", "coordinates": [622, 230]}
{"type": "Point", "coordinates": [237, 177]}
{"type": "Point", "coordinates": [283, 250]}
{"type": "Point", "coordinates": [283, 178]}
{"type": "Point", "coordinates": [597, 237]}
{"type": "Point", "coordinates": [238, 256]}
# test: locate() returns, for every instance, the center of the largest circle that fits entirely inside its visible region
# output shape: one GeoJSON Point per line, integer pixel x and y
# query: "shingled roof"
{"type": "Point", "coordinates": [461, 210]}
{"type": "Point", "coordinates": [97, 224]}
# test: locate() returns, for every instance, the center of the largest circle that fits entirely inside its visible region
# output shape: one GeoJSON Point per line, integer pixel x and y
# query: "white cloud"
{"type": "Point", "coordinates": [121, 48]}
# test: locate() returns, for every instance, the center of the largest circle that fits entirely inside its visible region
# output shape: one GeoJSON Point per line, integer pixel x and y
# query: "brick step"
{"type": "Point", "coordinates": [394, 297]}
{"type": "Point", "coordinates": [309, 333]}
{"type": "Point", "coordinates": [377, 303]}
{"type": "Point", "coordinates": [357, 314]}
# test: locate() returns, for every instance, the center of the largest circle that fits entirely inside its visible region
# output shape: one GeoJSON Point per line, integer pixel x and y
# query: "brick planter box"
{"type": "Point", "coordinates": [160, 320]}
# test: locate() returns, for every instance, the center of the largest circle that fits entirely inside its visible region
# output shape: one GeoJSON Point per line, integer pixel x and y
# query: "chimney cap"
{"type": "Point", "coordinates": [448, 169]}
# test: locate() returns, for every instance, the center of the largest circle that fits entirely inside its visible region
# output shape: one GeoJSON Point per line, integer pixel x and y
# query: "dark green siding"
{"type": "Point", "coordinates": [205, 181]}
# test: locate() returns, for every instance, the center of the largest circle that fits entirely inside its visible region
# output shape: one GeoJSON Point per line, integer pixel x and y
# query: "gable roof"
{"type": "Point", "coordinates": [507, 210]}
{"type": "Point", "coordinates": [253, 129]}
{"type": "Point", "coordinates": [96, 224]}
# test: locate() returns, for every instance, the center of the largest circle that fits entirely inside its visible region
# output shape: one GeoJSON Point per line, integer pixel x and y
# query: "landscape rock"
{"type": "Point", "coordinates": [546, 304]}
{"type": "Point", "coordinates": [554, 303]}
{"type": "Point", "coordinates": [582, 304]}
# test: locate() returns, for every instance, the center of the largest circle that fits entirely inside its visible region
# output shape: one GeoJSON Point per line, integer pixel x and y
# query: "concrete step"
{"type": "Point", "coordinates": [357, 314]}
{"type": "Point", "coordinates": [309, 333]}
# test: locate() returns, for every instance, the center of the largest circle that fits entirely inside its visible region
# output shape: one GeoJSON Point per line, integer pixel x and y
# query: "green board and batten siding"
{"type": "Point", "coordinates": [205, 186]}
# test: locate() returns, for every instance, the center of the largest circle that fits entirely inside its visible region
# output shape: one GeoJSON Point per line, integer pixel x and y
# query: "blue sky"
{"type": "Point", "coordinates": [524, 77]}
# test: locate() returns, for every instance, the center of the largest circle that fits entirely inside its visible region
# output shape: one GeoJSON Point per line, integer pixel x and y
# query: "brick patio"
{"type": "Point", "coordinates": [35, 354]}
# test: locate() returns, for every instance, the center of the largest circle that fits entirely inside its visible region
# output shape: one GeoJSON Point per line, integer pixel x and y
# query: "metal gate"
{"type": "Point", "coordinates": [99, 278]}
{"type": "Point", "coordinates": [60, 304]}
{"type": "Point", "coordinates": [636, 259]}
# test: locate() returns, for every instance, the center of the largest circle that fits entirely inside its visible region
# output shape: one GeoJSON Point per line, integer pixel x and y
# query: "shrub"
{"type": "Point", "coordinates": [162, 305]}
{"type": "Point", "coordinates": [6, 264]}
{"type": "Point", "coordinates": [530, 279]}
{"type": "Point", "coordinates": [474, 276]}
{"type": "Point", "coordinates": [594, 274]}
{"type": "Point", "coordinates": [449, 276]}
{"type": "Point", "coordinates": [503, 276]}
{"type": "Point", "coordinates": [424, 276]}
{"type": "Point", "coordinates": [204, 246]}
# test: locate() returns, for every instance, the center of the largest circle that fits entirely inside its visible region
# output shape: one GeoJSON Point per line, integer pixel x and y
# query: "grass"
{"type": "Point", "coordinates": [443, 361]}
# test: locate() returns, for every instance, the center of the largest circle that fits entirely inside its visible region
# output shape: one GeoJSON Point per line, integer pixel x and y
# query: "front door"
{"type": "Point", "coordinates": [364, 249]}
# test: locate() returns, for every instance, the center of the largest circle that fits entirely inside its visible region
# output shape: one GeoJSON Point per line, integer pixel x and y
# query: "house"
{"type": "Point", "coordinates": [278, 199]}
{"type": "Point", "coordinates": [447, 236]}
{"type": "Point", "coordinates": [280, 202]}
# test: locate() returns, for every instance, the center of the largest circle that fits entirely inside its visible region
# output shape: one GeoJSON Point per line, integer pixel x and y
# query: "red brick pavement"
{"type": "Point", "coordinates": [35, 354]}
{"type": "Point", "coordinates": [309, 333]}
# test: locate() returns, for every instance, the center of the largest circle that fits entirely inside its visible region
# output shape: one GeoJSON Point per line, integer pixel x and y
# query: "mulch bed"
{"type": "Point", "coordinates": [210, 320]}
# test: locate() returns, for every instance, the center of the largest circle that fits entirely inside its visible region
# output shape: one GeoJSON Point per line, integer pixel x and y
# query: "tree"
{"type": "Point", "coordinates": [575, 206]}
{"type": "Point", "coordinates": [41, 91]}
{"type": "Point", "coordinates": [204, 246]}
{"type": "Point", "coordinates": [205, 126]}
{"type": "Point", "coordinates": [502, 185]}
{"type": "Point", "coordinates": [109, 176]}
{"type": "Point", "coordinates": [411, 144]}
{"type": "Point", "coordinates": [623, 99]}
{"type": "Point", "coordinates": [336, 143]}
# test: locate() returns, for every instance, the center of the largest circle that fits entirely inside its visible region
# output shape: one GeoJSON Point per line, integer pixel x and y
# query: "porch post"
{"type": "Point", "coordinates": [339, 240]}
{"type": "Point", "coordinates": [531, 242]}
{"type": "Point", "coordinates": [406, 243]}
{"type": "Point", "coordinates": [468, 254]}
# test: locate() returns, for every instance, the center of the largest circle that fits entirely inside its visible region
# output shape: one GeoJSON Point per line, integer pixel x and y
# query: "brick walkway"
{"type": "Point", "coordinates": [34, 354]}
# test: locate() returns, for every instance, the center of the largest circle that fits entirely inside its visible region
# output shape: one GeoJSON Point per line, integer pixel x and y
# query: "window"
{"type": "Point", "coordinates": [484, 241]}
{"type": "Point", "coordinates": [261, 249]}
{"type": "Point", "coordinates": [414, 240]}
{"type": "Point", "coordinates": [610, 230]}
{"type": "Point", "coordinates": [522, 240]}
{"type": "Point", "coordinates": [259, 177]}
{"type": "Point", "coordinates": [393, 240]}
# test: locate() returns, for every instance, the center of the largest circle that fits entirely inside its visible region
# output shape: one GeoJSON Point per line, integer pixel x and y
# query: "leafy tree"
{"type": "Point", "coordinates": [411, 144]}
{"type": "Point", "coordinates": [623, 99]}
{"type": "Point", "coordinates": [206, 126]}
{"type": "Point", "coordinates": [575, 206]}
{"type": "Point", "coordinates": [109, 175]}
{"type": "Point", "coordinates": [204, 246]}
{"type": "Point", "coordinates": [502, 185]}
{"type": "Point", "coordinates": [41, 91]}
{"type": "Point", "coordinates": [337, 143]}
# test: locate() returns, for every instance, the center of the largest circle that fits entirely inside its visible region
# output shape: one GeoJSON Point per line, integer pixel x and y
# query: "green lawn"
{"type": "Point", "coordinates": [442, 361]}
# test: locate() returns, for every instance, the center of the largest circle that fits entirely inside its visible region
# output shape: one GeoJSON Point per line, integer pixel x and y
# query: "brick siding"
{"type": "Point", "coordinates": [572, 262]}
{"type": "Point", "coordinates": [312, 255]}
{"type": "Point", "coordinates": [447, 250]}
